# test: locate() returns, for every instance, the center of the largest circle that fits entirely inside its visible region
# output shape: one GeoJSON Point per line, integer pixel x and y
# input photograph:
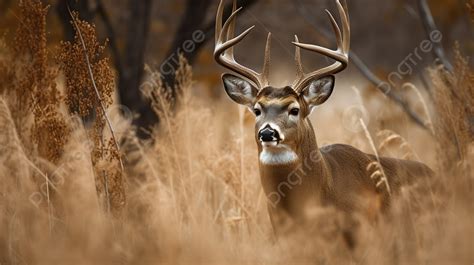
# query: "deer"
{"type": "Point", "coordinates": [295, 173]}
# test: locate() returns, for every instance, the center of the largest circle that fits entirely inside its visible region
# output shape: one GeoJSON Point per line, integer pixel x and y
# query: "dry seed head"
{"type": "Point", "coordinates": [80, 94]}
{"type": "Point", "coordinates": [32, 84]}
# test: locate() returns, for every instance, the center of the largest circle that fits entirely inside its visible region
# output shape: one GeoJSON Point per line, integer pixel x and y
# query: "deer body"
{"type": "Point", "coordinates": [296, 175]}
{"type": "Point", "coordinates": [301, 176]}
{"type": "Point", "coordinates": [335, 175]}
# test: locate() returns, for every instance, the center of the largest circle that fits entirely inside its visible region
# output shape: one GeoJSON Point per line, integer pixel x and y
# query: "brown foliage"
{"type": "Point", "coordinates": [30, 84]}
{"type": "Point", "coordinates": [82, 96]}
{"type": "Point", "coordinates": [454, 105]}
{"type": "Point", "coordinates": [35, 102]}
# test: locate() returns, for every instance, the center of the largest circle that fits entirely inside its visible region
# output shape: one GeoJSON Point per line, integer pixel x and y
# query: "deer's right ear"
{"type": "Point", "coordinates": [318, 91]}
{"type": "Point", "coordinates": [239, 90]}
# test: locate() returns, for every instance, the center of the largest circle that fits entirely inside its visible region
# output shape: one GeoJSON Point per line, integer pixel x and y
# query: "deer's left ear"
{"type": "Point", "coordinates": [318, 91]}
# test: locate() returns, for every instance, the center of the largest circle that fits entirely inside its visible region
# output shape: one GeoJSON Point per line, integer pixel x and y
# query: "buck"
{"type": "Point", "coordinates": [295, 174]}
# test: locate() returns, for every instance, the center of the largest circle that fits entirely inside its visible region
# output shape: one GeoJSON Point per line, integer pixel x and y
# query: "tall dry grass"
{"type": "Point", "coordinates": [193, 193]}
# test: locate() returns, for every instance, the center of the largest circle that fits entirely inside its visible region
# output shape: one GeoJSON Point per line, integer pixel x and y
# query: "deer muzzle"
{"type": "Point", "coordinates": [269, 135]}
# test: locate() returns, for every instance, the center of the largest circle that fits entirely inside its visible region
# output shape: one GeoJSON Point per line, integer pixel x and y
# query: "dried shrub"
{"type": "Point", "coordinates": [82, 97]}
{"type": "Point", "coordinates": [51, 133]}
{"type": "Point", "coordinates": [454, 106]}
{"type": "Point", "coordinates": [30, 84]}
{"type": "Point", "coordinates": [80, 94]}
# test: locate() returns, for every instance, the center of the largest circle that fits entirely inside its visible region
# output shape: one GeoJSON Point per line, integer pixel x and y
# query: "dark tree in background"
{"type": "Point", "coordinates": [134, 59]}
{"type": "Point", "coordinates": [129, 63]}
{"type": "Point", "coordinates": [192, 20]}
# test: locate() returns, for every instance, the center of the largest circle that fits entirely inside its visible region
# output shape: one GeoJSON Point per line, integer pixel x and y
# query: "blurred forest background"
{"type": "Point", "coordinates": [154, 32]}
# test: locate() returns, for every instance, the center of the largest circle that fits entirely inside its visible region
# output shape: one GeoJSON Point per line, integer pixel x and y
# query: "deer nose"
{"type": "Point", "coordinates": [268, 134]}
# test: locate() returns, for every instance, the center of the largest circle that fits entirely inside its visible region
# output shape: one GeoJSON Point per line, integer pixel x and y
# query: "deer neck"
{"type": "Point", "coordinates": [300, 175]}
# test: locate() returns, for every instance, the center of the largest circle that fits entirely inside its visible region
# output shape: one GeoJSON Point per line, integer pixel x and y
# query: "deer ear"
{"type": "Point", "coordinates": [318, 91]}
{"type": "Point", "coordinates": [239, 90]}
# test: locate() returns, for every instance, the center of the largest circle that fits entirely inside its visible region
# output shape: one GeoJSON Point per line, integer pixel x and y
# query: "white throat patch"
{"type": "Point", "coordinates": [277, 157]}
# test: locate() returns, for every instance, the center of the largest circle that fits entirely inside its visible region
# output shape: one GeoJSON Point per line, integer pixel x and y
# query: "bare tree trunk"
{"type": "Point", "coordinates": [133, 64]}
{"type": "Point", "coordinates": [430, 27]}
{"type": "Point", "coordinates": [189, 27]}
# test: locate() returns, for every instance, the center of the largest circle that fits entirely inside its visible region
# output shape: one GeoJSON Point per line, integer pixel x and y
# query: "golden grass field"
{"type": "Point", "coordinates": [192, 193]}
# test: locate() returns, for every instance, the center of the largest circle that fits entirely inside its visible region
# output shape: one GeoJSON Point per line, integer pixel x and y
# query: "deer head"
{"type": "Point", "coordinates": [281, 112]}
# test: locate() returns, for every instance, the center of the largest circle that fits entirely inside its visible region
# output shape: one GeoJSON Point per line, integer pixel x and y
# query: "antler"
{"type": "Point", "coordinates": [341, 55]}
{"type": "Point", "coordinates": [225, 41]}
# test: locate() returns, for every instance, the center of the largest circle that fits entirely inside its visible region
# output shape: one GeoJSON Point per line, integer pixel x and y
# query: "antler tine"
{"type": "Point", "coordinates": [266, 61]}
{"type": "Point", "coordinates": [230, 32]}
{"type": "Point", "coordinates": [344, 13]}
{"type": "Point", "coordinates": [299, 65]}
{"type": "Point", "coordinates": [336, 29]}
{"type": "Point", "coordinates": [220, 11]}
{"type": "Point", "coordinates": [346, 10]}
{"type": "Point", "coordinates": [340, 55]}
{"type": "Point", "coordinates": [225, 41]}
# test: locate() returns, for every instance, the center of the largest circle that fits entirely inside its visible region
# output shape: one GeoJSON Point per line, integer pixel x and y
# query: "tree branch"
{"type": "Point", "coordinates": [133, 65]}
{"type": "Point", "coordinates": [364, 69]}
{"type": "Point", "coordinates": [430, 26]}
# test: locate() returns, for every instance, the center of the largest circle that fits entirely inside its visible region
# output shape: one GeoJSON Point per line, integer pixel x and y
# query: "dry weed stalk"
{"type": "Point", "coordinates": [188, 156]}
{"type": "Point", "coordinates": [165, 103]}
{"type": "Point", "coordinates": [39, 130]}
{"type": "Point", "coordinates": [375, 167]}
{"type": "Point", "coordinates": [11, 148]}
{"type": "Point", "coordinates": [428, 123]}
{"type": "Point", "coordinates": [454, 107]}
{"type": "Point", "coordinates": [389, 137]}
{"type": "Point", "coordinates": [161, 98]}
{"type": "Point", "coordinates": [89, 89]}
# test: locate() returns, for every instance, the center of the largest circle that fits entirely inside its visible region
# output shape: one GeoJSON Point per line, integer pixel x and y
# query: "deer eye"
{"type": "Point", "coordinates": [257, 112]}
{"type": "Point", "coordinates": [294, 111]}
